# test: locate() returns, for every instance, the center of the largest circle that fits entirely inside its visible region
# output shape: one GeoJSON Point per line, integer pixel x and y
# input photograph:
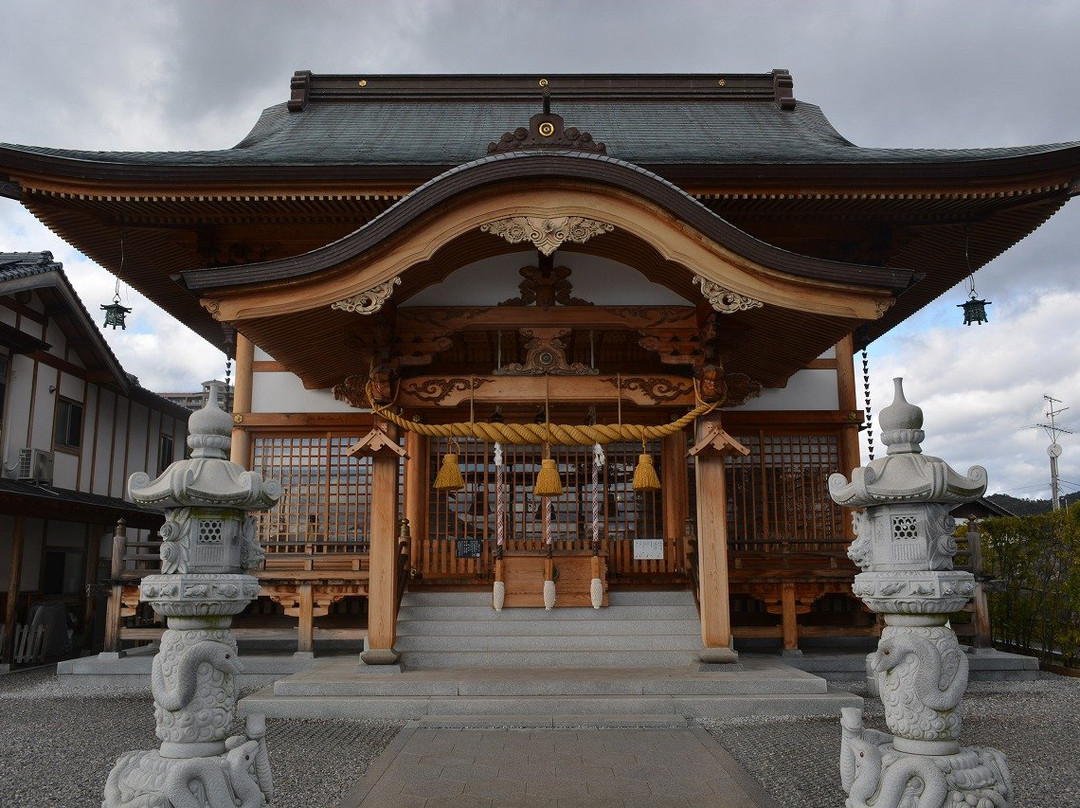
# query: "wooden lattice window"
{"type": "Point", "coordinates": [778, 497]}
{"type": "Point", "coordinates": [326, 501]}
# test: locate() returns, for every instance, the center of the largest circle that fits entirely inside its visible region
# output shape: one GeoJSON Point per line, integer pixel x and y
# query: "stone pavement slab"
{"type": "Point", "coordinates": [493, 766]}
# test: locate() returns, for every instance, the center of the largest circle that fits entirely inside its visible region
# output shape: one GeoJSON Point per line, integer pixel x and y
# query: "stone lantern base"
{"type": "Point", "coordinates": [874, 773]}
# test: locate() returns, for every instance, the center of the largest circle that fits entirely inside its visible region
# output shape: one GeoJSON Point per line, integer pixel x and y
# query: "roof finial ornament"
{"type": "Point", "coordinates": [546, 130]}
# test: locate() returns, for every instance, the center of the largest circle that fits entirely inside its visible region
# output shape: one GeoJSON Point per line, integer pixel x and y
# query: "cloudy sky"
{"type": "Point", "coordinates": [143, 76]}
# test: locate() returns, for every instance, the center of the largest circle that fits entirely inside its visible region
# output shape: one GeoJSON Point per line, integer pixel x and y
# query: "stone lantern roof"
{"type": "Point", "coordinates": [905, 474]}
{"type": "Point", "coordinates": [206, 479]}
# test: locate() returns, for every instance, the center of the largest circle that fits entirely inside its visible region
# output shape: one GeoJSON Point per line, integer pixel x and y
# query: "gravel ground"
{"type": "Point", "coordinates": [1036, 724]}
{"type": "Point", "coordinates": [57, 746]}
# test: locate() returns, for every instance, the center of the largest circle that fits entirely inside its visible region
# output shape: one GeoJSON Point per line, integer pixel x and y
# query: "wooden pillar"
{"type": "Point", "coordinates": [93, 550]}
{"type": "Point", "coordinates": [982, 641]}
{"type": "Point", "coordinates": [674, 490]}
{"type": "Point", "coordinates": [847, 398]}
{"type": "Point", "coordinates": [241, 437]}
{"type": "Point", "coordinates": [381, 446]}
{"type": "Point", "coordinates": [116, 591]}
{"type": "Point", "coordinates": [17, 537]}
{"type": "Point", "coordinates": [305, 623]}
{"type": "Point", "coordinates": [712, 446]}
{"type": "Point", "coordinates": [417, 488]}
{"type": "Point", "coordinates": [788, 618]}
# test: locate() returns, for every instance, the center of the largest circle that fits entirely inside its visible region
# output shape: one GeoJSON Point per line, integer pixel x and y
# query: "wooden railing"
{"type": "Point", "coordinates": [304, 580]}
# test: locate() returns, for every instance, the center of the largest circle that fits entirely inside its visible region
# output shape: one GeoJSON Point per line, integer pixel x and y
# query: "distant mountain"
{"type": "Point", "coordinates": [1027, 507]}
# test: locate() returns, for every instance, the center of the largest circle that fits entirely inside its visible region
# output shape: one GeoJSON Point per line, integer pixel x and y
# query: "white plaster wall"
{"type": "Point", "coordinates": [284, 392]}
{"type": "Point", "coordinates": [7, 316]}
{"type": "Point", "coordinates": [17, 407]}
{"type": "Point", "coordinates": [102, 449]}
{"type": "Point", "coordinates": [44, 407]}
{"type": "Point", "coordinates": [65, 469]}
{"type": "Point", "coordinates": [117, 479]}
{"type": "Point", "coordinates": [597, 280]}
{"type": "Point", "coordinates": [73, 387]}
{"type": "Point", "coordinates": [136, 444]}
{"type": "Point", "coordinates": [261, 355]}
{"type": "Point", "coordinates": [806, 390]}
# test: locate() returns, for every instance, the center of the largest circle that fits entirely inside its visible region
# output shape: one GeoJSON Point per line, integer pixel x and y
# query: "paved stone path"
{"type": "Point", "coordinates": [556, 767]}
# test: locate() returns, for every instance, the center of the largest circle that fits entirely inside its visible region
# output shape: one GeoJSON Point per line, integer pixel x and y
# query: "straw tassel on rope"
{"type": "Point", "coordinates": [449, 477]}
{"type": "Point", "coordinates": [547, 483]}
{"type": "Point", "coordinates": [645, 477]}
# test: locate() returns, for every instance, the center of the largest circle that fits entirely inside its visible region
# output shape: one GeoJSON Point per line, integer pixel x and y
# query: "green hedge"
{"type": "Point", "coordinates": [1037, 558]}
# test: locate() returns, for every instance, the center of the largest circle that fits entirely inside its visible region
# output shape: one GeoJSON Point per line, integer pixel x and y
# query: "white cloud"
{"type": "Point", "coordinates": [121, 74]}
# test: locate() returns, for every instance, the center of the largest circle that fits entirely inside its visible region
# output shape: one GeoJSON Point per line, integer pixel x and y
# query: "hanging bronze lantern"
{"type": "Point", "coordinates": [974, 311]}
{"type": "Point", "coordinates": [115, 313]}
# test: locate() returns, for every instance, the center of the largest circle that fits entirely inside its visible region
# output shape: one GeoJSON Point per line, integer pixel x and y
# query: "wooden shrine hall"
{"type": "Point", "coordinates": [645, 290]}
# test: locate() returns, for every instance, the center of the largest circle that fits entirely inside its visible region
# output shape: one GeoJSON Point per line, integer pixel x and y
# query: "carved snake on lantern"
{"type": "Point", "coordinates": [179, 695]}
{"type": "Point", "coordinates": [895, 649]}
{"type": "Point", "coordinates": [860, 770]}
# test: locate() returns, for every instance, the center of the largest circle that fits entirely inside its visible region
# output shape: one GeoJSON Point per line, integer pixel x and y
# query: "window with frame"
{"type": "Point", "coordinates": [67, 433]}
{"type": "Point", "coordinates": [166, 447]}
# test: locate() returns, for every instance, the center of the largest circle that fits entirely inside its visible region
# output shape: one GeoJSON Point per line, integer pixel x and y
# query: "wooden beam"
{"type": "Point", "coordinates": [647, 390]}
{"type": "Point", "coordinates": [427, 321]}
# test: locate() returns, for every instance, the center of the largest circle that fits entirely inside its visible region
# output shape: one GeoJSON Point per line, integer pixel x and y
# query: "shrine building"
{"type": "Point", "coordinates": [620, 274]}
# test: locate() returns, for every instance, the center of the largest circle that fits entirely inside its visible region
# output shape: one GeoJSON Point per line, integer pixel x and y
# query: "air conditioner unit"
{"type": "Point", "coordinates": [35, 465]}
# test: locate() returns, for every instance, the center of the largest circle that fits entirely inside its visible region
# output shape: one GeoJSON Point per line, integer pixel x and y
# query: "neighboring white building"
{"type": "Point", "coordinates": [73, 427]}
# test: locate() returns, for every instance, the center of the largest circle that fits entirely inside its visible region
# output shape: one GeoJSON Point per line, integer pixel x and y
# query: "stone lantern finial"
{"type": "Point", "coordinates": [901, 423]}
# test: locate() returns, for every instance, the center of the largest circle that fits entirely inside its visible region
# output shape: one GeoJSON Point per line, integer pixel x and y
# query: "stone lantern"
{"type": "Point", "coordinates": [905, 549]}
{"type": "Point", "coordinates": [208, 546]}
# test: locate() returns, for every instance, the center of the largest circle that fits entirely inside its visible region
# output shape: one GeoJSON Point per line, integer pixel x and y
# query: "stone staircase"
{"type": "Point", "coordinates": [438, 630]}
{"type": "Point", "coordinates": [632, 663]}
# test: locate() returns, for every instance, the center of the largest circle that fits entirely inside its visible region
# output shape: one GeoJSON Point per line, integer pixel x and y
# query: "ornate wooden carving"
{"type": "Point", "coordinates": [724, 300]}
{"type": "Point", "coordinates": [369, 301]}
{"type": "Point", "coordinates": [545, 286]}
{"type": "Point", "coordinates": [674, 346]}
{"type": "Point", "coordinates": [656, 388]}
{"type": "Point", "coordinates": [432, 390]}
{"type": "Point", "coordinates": [545, 355]}
{"type": "Point", "coordinates": [546, 234]}
{"type": "Point", "coordinates": [547, 130]}
{"type": "Point", "coordinates": [741, 388]}
{"type": "Point", "coordinates": [653, 316]}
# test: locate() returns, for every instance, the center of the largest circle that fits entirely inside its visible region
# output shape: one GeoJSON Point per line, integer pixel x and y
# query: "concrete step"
{"type": "Point", "coordinates": [444, 614]}
{"type": "Point", "coordinates": [677, 597]}
{"type": "Point", "coordinates": [347, 678]}
{"type": "Point", "coordinates": [562, 643]}
{"type": "Point", "coordinates": [548, 659]}
{"type": "Point", "coordinates": [402, 707]}
{"type": "Point", "coordinates": [460, 629]}
{"type": "Point", "coordinates": [542, 628]}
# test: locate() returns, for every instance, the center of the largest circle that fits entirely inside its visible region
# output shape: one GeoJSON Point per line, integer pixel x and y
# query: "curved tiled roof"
{"type": "Point", "coordinates": [445, 131]}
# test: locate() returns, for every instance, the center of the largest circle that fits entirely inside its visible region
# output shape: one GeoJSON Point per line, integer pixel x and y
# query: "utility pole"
{"type": "Point", "coordinates": [1054, 449]}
